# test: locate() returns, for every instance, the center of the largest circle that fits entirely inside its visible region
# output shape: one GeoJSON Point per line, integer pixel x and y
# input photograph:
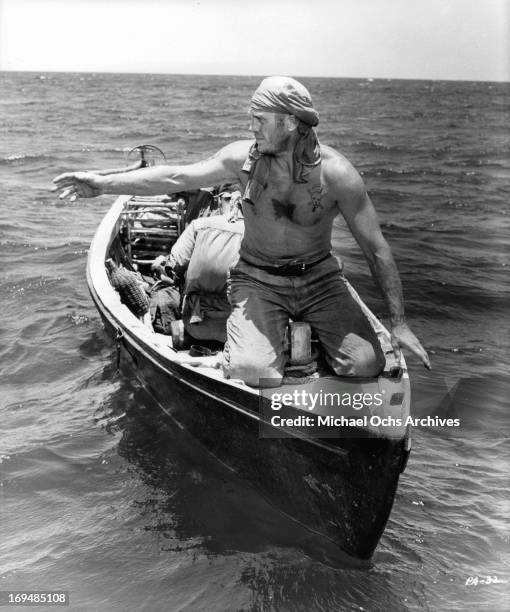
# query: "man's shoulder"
{"type": "Point", "coordinates": [338, 171]}
{"type": "Point", "coordinates": [336, 164]}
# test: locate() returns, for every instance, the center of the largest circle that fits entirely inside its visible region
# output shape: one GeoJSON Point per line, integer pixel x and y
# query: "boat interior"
{"type": "Point", "coordinates": [149, 228]}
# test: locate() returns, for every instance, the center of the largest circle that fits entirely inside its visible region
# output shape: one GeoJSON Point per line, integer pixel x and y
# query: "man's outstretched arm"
{"type": "Point", "coordinates": [223, 166]}
{"type": "Point", "coordinates": [361, 218]}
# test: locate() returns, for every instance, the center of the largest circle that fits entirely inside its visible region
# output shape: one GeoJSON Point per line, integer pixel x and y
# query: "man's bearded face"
{"type": "Point", "coordinates": [270, 131]}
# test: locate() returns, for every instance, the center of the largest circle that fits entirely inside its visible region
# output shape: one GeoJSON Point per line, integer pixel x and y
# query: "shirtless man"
{"type": "Point", "coordinates": [293, 189]}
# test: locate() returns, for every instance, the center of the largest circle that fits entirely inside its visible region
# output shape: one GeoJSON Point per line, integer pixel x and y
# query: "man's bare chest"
{"type": "Point", "coordinates": [304, 204]}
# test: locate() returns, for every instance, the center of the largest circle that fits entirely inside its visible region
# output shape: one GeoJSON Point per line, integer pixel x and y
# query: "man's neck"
{"type": "Point", "coordinates": [285, 159]}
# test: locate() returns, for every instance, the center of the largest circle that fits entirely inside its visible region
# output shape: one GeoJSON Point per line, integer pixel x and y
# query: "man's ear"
{"type": "Point", "coordinates": [291, 123]}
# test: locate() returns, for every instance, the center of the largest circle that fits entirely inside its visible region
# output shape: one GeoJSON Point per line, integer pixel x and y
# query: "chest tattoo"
{"type": "Point", "coordinates": [282, 209]}
{"type": "Point", "coordinates": [316, 198]}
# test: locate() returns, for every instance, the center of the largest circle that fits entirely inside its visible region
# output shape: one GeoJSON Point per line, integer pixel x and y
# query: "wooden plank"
{"type": "Point", "coordinates": [154, 232]}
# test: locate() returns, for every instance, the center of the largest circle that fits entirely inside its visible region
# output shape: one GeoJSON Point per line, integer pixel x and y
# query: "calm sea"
{"type": "Point", "coordinates": [103, 498]}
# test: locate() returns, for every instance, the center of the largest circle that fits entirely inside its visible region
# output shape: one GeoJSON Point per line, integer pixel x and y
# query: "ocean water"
{"type": "Point", "coordinates": [101, 497]}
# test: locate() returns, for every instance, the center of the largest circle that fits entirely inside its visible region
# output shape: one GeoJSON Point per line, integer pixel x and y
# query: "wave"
{"type": "Point", "coordinates": [24, 157]}
{"type": "Point", "coordinates": [370, 145]}
{"type": "Point", "coordinates": [103, 149]}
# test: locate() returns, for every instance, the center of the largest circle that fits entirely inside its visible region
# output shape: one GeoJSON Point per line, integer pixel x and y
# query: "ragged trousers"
{"type": "Point", "coordinates": [262, 304]}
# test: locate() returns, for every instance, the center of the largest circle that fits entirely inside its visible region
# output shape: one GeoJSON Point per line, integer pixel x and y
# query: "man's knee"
{"type": "Point", "coordinates": [358, 357]}
{"type": "Point", "coordinates": [370, 363]}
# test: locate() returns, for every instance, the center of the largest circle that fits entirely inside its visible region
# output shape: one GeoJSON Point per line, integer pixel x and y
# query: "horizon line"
{"type": "Point", "coordinates": [357, 78]}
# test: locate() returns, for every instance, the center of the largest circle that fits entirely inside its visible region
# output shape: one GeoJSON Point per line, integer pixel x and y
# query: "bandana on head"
{"type": "Point", "coordinates": [287, 96]}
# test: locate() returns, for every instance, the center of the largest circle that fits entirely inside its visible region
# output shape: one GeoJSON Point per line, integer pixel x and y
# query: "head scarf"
{"type": "Point", "coordinates": [287, 96]}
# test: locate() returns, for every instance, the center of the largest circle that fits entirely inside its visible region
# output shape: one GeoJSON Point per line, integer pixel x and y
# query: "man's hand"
{"type": "Point", "coordinates": [78, 185]}
{"type": "Point", "coordinates": [403, 337]}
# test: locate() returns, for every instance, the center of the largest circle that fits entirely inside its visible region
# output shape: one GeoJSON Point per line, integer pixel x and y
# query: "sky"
{"type": "Point", "coordinates": [420, 39]}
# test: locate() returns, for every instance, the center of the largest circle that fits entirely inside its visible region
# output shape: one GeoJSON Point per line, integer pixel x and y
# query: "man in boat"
{"type": "Point", "coordinates": [205, 251]}
{"type": "Point", "coordinates": [293, 188]}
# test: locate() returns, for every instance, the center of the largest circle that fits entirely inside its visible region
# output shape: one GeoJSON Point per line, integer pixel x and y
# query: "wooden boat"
{"type": "Point", "coordinates": [340, 483]}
